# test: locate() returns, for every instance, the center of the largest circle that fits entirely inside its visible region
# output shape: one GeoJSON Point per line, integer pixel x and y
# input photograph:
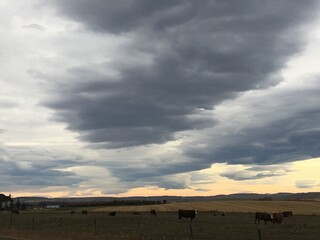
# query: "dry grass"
{"type": "Point", "coordinates": [298, 207]}
{"type": "Point", "coordinates": [54, 224]}
{"type": "Point", "coordinates": [165, 226]}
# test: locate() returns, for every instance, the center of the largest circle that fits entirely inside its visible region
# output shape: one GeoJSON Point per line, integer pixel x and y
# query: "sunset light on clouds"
{"type": "Point", "coordinates": [132, 98]}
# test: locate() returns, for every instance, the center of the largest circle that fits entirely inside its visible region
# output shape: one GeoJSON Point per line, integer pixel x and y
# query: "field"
{"type": "Point", "coordinates": [298, 207]}
{"type": "Point", "coordinates": [237, 224]}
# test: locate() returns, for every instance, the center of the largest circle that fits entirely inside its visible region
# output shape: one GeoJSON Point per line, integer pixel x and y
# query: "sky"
{"type": "Point", "coordinates": [185, 97]}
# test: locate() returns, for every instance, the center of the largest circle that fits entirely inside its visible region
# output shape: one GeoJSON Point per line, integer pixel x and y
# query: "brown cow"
{"type": "Point", "coordinates": [187, 214]}
{"type": "Point", "coordinates": [263, 216]}
{"type": "Point", "coordinates": [277, 218]}
{"type": "Point", "coordinates": [153, 212]}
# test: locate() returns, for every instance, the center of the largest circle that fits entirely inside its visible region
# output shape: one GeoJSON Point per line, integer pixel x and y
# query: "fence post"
{"type": "Point", "coordinates": [259, 232]}
{"type": "Point", "coordinates": [10, 223]}
{"type": "Point", "coordinates": [191, 231]}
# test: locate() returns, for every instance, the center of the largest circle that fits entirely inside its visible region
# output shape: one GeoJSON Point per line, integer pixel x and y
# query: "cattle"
{"type": "Point", "coordinates": [187, 214]}
{"type": "Point", "coordinates": [136, 213]}
{"type": "Point", "coordinates": [277, 218]}
{"type": "Point", "coordinates": [287, 213]}
{"type": "Point", "coordinates": [84, 212]}
{"type": "Point", "coordinates": [153, 212]}
{"type": "Point", "coordinates": [263, 216]}
{"type": "Point", "coordinates": [72, 212]}
{"type": "Point", "coordinates": [113, 214]}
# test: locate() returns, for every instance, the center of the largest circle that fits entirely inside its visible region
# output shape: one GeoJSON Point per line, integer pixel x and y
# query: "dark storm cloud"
{"type": "Point", "coordinates": [120, 16]}
{"type": "Point", "coordinates": [124, 16]}
{"type": "Point", "coordinates": [183, 56]}
{"type": "Point", "coordinates": [285, 128]}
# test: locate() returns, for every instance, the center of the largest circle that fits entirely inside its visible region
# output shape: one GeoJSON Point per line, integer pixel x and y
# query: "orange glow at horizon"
{"type": "Point", "coordinates": [299, 170]}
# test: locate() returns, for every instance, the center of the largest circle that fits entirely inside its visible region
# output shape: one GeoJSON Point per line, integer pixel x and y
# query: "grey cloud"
{"type": "Point", "coordinates": [15, 177]}
{"type": "Point", "coordinates": [35, 168]}
{"type": "Point", "coordinates": [154, 170]}
{"type": "Point", "coordinates": [35, 26]}
{"type": "Point", "coordinates": [174, 184]}
{"type": "Point", "coordinates": [199, 54]}
{"type": "Point", "coordinates": [240, 176]}
{"type": "Point", "coordinates": [116, 17]}
{"type": "Point", "coordinates": [202, 189]}
{"type": "Point", "coordinates": [255, 172]}
{"type": "Point", "coordinates": [307, 184]}
{"type": "Point", "coordinates": [8, 103]}
{"type": "Point", "coordinates": [295, 136]}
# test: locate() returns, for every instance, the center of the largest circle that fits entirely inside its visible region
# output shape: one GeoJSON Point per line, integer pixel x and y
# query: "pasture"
{"type": "Point", "coordinates": [54, 224]}
{"type": "Point", "coordinates": [298, 207]}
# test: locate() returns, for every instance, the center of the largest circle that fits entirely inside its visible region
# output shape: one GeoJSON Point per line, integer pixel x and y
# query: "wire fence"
{"type": "Point", "coordinates": [165, 226]}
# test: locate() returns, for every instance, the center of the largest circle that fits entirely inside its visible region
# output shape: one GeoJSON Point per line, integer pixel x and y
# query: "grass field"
{"type": "Point", "coordinates": [239, 224]}
{"type": "Point", "coordinates": [298, 207]}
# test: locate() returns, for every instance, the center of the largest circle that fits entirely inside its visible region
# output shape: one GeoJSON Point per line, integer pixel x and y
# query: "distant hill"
{"type": "Point", "coordinates": [309, 196]}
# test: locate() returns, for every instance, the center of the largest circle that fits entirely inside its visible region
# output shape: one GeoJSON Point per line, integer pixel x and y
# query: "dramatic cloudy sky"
{"type": "Point", "coordinates": [140, 97]}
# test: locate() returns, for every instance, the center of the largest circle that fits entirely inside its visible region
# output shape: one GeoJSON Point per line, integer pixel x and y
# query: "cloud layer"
{"type": "Point", "coordinates": [180, 58]}
{"type": "Point", "coordinates": [105, 96]}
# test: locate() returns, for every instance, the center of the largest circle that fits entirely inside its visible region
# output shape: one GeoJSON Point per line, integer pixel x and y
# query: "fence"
{"type": "Point", "coordinates": [59, 225]}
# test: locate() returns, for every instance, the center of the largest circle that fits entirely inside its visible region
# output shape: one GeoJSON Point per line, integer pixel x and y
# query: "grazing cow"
{"type": "Point", "coordinates": [113, 214]}
{"type": "Point", "coordinates": [187, 214]}
{"type": "Point", "coordinates": [263, 216]}
{"type": "Point", "coordinates": [84, 212]}
{"type": "Point", "coordinates": [136, 213]}
{"type": "Point", "coordinates": [72, 212]}
{"type": "Point", "coordinates": [223, 214]}
{"type": "Point", "coordinates": [287, 213]}
{"type": "Point", "coordinates": [277, 218]}
{"type": "Point", "coordinates": [15, 211]}
{"type": "Point", "coordinates": [153, 212]}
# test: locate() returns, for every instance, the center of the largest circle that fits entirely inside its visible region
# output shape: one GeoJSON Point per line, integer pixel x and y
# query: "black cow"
{"type": "Point", "coordinates": [113, 214]}
{"type": "Point", "coordinates": [72, 212]}
{"type": "Point", "coordinates": [153, 212]}
{"type": "Point", "coordinates": [187, 214]}
{"type": "Point", "coordinates": [287, 213]}
{"type": "Point", "coordinates": [84, 212]}
{"type": "Point", "coordinates": [263, 216]}
{"type": "Point", "coordinates": [136, 213]}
